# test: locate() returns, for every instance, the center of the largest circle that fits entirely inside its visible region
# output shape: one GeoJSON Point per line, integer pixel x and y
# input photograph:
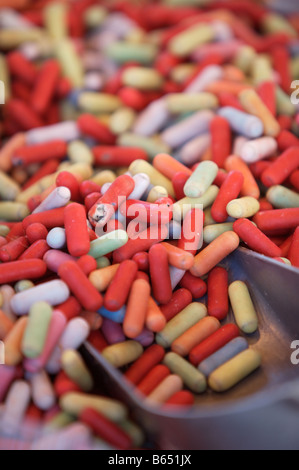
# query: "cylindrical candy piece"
{"type": "Point", "coordinates": [232, 349]}
{"type": "Point", "coordinates": [36, 331]}
{"type": "Point", "coordinates": [214, 253]}
{"type": "Point", "coordinates": [243, 308]}
{"type": "Point", "coordinates": [191, 377]}
{"type": "Point", "coordinates": [77, 235]}
{"type": "Point", "coordinates": [234, 371]}
{"type": "Point", "coordinates": [195, 335]}
{"type": "Point", "coordinates": [122, 354]}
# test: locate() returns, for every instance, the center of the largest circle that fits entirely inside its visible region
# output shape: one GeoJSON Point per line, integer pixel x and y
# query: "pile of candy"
{"type": "Point", "coordinates": [141, 144]}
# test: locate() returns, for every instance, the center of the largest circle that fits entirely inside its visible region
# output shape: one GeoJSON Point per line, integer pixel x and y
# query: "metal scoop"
{"type": "Point", "coordinates": [262, 412]}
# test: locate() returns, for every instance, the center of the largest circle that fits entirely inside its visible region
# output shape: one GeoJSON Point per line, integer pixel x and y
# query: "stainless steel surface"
{"type": "Point", "coordinates": [260, 413]}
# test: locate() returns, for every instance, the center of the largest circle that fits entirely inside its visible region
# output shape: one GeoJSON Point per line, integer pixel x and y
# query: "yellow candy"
{"type": "Point", "coordinates": [182, 72]}
{"type": "Point", "coordinates": [9, 189]}
{"type": "Point", "coordinates": [122, 120]}
{"type": "Point", "coordinates": [122, 354]}
{"type": "Point", "coordinates": [55, 17]}
{"type": "Point", "coordinates": [156, 178]}
{"type": "Point", "coordinates": [75, 403]}
{"type": "Point", "coordinates": [185, 103]}
{"type": "Point", "coordinates": [79, 152]}
{"type": "Point", "coordinates": [142, 78]}
{"type": "Point", "coordinates": [92, 102]}
{"type": "Point", "coordinates": [75, 368]}
{"type": "Point", "coordinates": [185, 43]}
{"type": "Point", "coordinates": [262, 70]}
{"type": "Point", "coordinates": [245, 207]}
{"type": "Point", "coordinates": [95, 16]}
{"type": "Point", "coordinates": [157, 192]}
{"type": "Point", "coordinates": [234, 371]}
{"type": "Point", "coordinates": [103, 177]}
{"type": "Point", "coordinates": [5, 91]}
{"type": "Point", "coordinates": [70, 62]}
{"type": "Point", "coordinates": [13, 211]}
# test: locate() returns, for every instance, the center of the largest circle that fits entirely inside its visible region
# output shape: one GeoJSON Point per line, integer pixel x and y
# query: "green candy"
{"type": "Point", "coordinates": [36, 331]}
{"type": "Point", "coordinates": [108, 243]}
{"type": "Point", "coordinates": [123, 52]}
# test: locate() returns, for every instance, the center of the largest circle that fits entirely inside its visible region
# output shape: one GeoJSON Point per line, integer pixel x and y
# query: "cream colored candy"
{"type": "Point", "coordinates": [13, 38]}
{"type": "Point", "coordinates": [103, 177]}
{"type": "Point", "coordinates": [211, 232]}
{"type": "Point", "coordinates": [181, 323]}
{"type": "Point", "coordinates": [122, 354]}
{"type": "Point", "coordinates": [75, 403]}
{"type": "Point", "coordinates": [5, 79]}
{"type": "Point", "coordinates": [192, 377]}
{"type": "Point", "coordinates": [142, 78]}
{"type": "Point", "coordinates": [234, 371]}
{"type": "Point", "coordinates": [182, 207]}
{"type": "Point", "coordinates": [100, 103]}
{"type": "Point", "coordinates": [9, 189]}
{"type": "Point", "coordinates": [156, 178]}
{"type": "Point", "coordinates": [244, 58]}
{"type": "Point", "coordinates": [75, 368]}
{"type": "Point", "coordinates": [70, 62]}
{"type": "Point", "coordinates": [245, 207]}
{"type": "Point", "coordinates": [94, 16]}
{"type": "Point", "coordinates": [185, 103]}
{"type": "Point", "coordinates": [274, 23]}
{"type": "Point", "coordinates": [55, 18]}
{"type": "Point", "coordinates": [79, 152]}
{"type": "Point", "coordinates": [243, 308]}
{"type": "Point", "coordinates": [282, 198]}
{"type": "Point", "coordinates": [262, 70]}
{"type": "Point", "coordinates": [201, 179]}
{"type": "Point", "coordinates": [182, 72]}
{"type": "Point", "coordinates": [13, 211]}
{"type": "Point", "coordinates": [284, 104]}
{"type": "Point", "coordinates": [122, 120]}
{"type": "Point", "coordinates": [186, 42]}
{"type": "Point", "coordinates": [157, 192]}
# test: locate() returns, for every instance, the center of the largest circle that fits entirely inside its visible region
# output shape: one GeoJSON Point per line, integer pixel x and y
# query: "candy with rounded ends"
{"type": "Point", "coordinates": [75, 368]}
{"type": "Point", "coordinates": [191, 377]}
{"type": "Point", "coordinates": [75, 403]}
{"type": "Point", "coordinates": [195, 335]}
{"type": "Point", "coordinates": [122, 354]}
{"type": "Point", "coordinates": [165, 390]}
{"type": "Point", "coordinates": [201, 179]}
{"type": "Point", "coordinates": [53, 292]}
{"type": "Point", "coordinates": [243, 308]}
{"type": "Point", "coordinates": [234, 371]}
{"type": "Point", "coordinates": [214, 253]}
{"type": "Point", "coordinates": [36, 331]}
{"type": "Point", "coordinates": [232, 349]}
{"type": "Point", "coordinates": [244, 207]}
